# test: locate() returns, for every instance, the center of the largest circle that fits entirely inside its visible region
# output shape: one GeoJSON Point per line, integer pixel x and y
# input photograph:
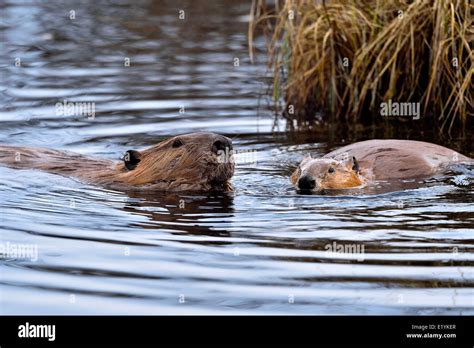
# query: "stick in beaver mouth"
{"type": "Point", "coordinates": [189, 162]}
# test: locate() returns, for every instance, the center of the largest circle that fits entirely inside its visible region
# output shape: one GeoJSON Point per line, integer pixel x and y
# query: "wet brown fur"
{"type": "Point", "coordinates": [192, 166]}
{"type": "Point", "coordinates": [377, 160]}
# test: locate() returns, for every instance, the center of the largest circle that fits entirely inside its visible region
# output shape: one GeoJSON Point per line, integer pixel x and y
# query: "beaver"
{"type": "Point", "coordinates": [189, 162]}
{"type": "Point", "coordinates": [361, 163]}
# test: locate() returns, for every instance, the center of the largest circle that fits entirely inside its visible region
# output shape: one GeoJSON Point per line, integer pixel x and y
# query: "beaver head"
{"type": "Point", "coordinates": [196, 161]}
{"type": "Point", "coordinates": [327, 173]}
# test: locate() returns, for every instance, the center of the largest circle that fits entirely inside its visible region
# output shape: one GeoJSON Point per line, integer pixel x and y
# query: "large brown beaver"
{"type": "Point", "coordinates": [196, 161]}
{"type": "Point", "coordinates": [361, 163]}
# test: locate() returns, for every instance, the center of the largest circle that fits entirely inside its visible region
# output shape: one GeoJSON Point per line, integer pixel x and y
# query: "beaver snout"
{"type": "Point", "coordinates": [306, 182]}
{"type": "Point", "coordinates": [221, 144]}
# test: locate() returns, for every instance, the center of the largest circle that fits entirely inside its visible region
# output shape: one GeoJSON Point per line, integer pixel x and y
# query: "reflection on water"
{"type": "Point", "coordinates": [262, 249]}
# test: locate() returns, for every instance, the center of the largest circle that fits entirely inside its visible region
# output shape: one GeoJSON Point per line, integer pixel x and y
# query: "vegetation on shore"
{"type": "Point", "coordinates": [340, 60]}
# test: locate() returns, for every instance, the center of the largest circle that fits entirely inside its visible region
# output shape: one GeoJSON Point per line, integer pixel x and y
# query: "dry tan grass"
{"type": "Point", "coordinates": [406, 51]}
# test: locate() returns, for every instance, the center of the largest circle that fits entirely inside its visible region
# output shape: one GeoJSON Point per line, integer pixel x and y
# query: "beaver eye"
{"type": "Point", "coordinates": [331, 170]}
{"type": "Point", "coordinates": [177, 143]}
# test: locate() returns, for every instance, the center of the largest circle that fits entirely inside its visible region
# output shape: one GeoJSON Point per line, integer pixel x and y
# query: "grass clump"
{"type": "Point", "coordinates": [340, 59]}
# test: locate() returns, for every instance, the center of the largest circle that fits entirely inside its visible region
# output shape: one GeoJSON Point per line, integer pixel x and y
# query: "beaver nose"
{"type": "Point", "coordinates": [306, 183]}
{"type": "Point", "coordinates": [222, 144]}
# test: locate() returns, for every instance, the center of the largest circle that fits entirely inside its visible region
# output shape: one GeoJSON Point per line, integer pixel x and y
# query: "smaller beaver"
{"type": "Point", "coordinates": [361, 163]}
{"type": "Point", "coordinates": [190, 162]}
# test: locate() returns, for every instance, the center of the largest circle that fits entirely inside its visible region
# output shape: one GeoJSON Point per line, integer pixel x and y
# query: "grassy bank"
{"type": "Point", "coordinates": [345, 60]}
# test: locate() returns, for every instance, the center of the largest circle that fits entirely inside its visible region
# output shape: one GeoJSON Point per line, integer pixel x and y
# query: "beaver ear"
{"type": "Point", "coordinates": [131, 159]}
{"type": "Point", "coordinates": [355, 165]}
{"type": "Point", "coordinates": [306, 159]}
